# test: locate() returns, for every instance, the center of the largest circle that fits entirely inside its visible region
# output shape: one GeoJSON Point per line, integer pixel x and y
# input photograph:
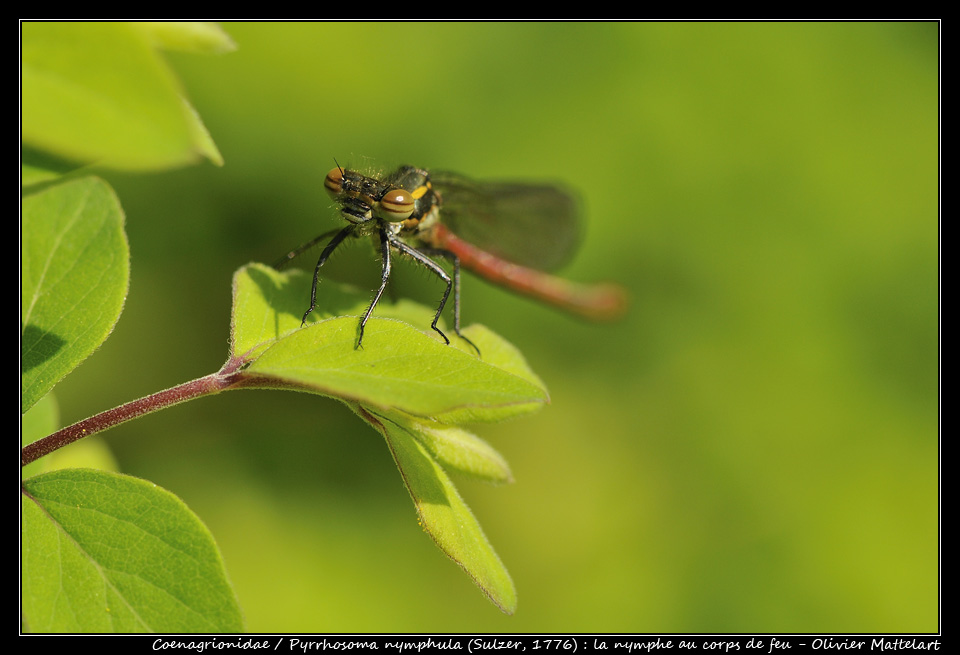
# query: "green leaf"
{"type": "Point", "coordinates": [398, 367]}
{"type": "Point", "coordinates": [268, 305]}
{"type": "Point", "coordinates": [74, 275]}
{"type": "Point", "coordinates": [99, 92]}
{"type": "Point", "coordinates": [456, 449]}
{"type": "Point", "coordinates": [188, 36]}
{"type": "Point", "coordinates": [443, 514]}
{"type": "Point", "coordinates": [419, 383]}
{"type": "Point", "coordinates": [503, 356]}
{"type": "Point", "coordinates": [202, 141]}
{"type": "Point", "coordinates": [37, 166]}
{"type": "Point", "coordinates": [104, 552]}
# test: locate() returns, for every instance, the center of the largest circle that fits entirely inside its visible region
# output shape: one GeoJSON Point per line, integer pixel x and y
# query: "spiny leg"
{"type": "Point", "coordinates": [327, 251]}
{"type": "Point", "coordinates": [385, 242]}
{"type": "Point", "coordinates": [422, 255]}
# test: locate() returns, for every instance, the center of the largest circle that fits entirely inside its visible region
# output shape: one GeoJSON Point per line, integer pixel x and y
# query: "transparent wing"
{"type": "Point", "coordinates": [529, 224]}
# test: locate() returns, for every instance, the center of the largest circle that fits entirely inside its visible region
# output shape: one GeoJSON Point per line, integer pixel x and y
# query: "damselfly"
{"type": "Point", "coordinates": [508, 233]}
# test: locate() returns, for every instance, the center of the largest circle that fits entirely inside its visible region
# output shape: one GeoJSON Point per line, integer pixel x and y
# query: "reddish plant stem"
{"type": "Point", "coordinates": [226, 378]}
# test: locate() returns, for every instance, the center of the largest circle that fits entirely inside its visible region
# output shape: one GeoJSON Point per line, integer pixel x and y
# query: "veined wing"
{"type": "Point", "coordinates": [535, 225]}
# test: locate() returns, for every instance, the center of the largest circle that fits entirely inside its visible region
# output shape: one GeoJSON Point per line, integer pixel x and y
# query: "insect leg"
{"type": "Point", "coordinates": [284, 261]}
{"type": "Point", "coordinates": [327, 251]}
{"type": "Point", "coordinates": [422, 255]}
{"type": "Point", "coordinates": [385, 242]}
{"type": "Point", "coordinates": [456, 283]}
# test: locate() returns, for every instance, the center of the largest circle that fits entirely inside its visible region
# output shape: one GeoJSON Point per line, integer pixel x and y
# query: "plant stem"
{"type": "Point", "coordinates": [227, 377]}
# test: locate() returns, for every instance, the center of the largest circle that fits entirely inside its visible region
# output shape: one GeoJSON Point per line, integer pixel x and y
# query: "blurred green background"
{"type": "Point", "coordinates": [753, 448]}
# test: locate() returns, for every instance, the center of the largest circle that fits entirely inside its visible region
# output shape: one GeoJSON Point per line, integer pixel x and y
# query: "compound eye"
{"type": "Point", "coordinates": [396, 205]}
{"type": "Point", "coordinates": [333, 182]}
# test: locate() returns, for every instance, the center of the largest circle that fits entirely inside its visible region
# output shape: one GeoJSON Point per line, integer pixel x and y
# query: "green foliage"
{"type": "Point", "coordinates": [104, 552]}
{"type": "Point", "coordinates": [100, 93]}
{"type": "Point", "coordinates": [729, 458]}
{"type": "Point", "coordinates": [398, 367]}
{"type": "Point", "coordinates": [74, 264]}
{"type": "Point", "coordinates": [442, 512]}
{"type": "Point", "coordinates": [409, 385]}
